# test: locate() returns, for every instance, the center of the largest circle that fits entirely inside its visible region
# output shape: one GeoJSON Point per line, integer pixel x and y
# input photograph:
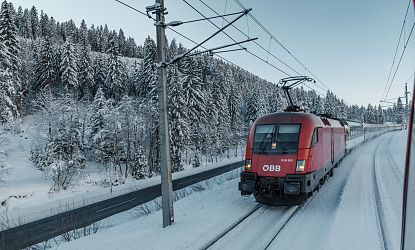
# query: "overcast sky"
{"type": "Point", "coordinates": [349, 45]}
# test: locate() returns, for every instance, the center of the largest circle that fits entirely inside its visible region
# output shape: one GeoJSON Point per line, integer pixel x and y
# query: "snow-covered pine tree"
{"type": "Point", "coordinates": [172, 50]}
{"type": "Point", "coordinates": [195, 102]}
{"type": "Point", "coordinates": [218, 117]}
{"type": "Point", "coordinates": [69, 69]}
{"type": "Point", "coordinates": [121, 43]}
{"type": "Point", "coordinates": [45, 66]}
{"type": "Point", "coordinates": [400, 112]}
{"type": "Point", "coordinates": [103, 39]}
{"type": "Point", "coordinates": [34, 20]}
{"type": "Point", "coordinates": [330, 104]}
{"type": "Point", "coordinates": [192, 87]}
{"type": "Point", "coordinates": [261, 101]}
{"type": "Point", "coordinates": [137, 168]}
{"type": "Point", "coordinates": [252, 112]}
{"type": "Point", "coordinates": [11, 52]}
{"type": "Point", "coordinates": [148, 85]}
{"type": "Point", "coordinates": [342, 110]}
{"type": "Point", "coordinates": [100, 72]}
{"type": "Point", "coordinates": [18, 19]}
{"type": "Point", "coordinates": [8, 108]}
{"type": "Point", "coordinates": [44, 25]}
{"type": "Point", "coordinates": [71, 31]}
{"type": "Point", "coordinates": [390, 114]}
{"type": "Point", "coordinates": [86, 72]}
{"type": "Point", "coordinates": [136, 78]}
{"type": "Point", "coordinates": [177, 119]}
{"type": "Point", "coordinates": [8, 36]}
{"type": "Point", "coordinates": [370, 116]}
{"type": "Point", "coordinates": [381, 117]}
{"type": "Point", "coordinates": [131, 48]}
{"type": "Point", "coordinates": [234, 100]}
{"type": "Point", "coordinates": [153, 140]}
{"type": "Point", "coordinates": [83, 32]}
{"type": "Point", "coordinates": [92, 38]}
{"type": "Point", "coordinates": [26, 26]}
{"type": "Point", "coordinates": [115, 77]}
{"type": "Point", "coordinates": [99, 109]}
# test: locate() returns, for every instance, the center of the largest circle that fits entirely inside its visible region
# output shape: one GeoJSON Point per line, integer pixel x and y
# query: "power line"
{"type": "Point", "coordinates": [131, 7]}
{"type": "Point", "coordinates": [194, 42]}
{"type": "Point", "coordinates": [232, 37]}
{"type": "Point", "coordinates": [214, 34]}
{"type": "Point", "coordinates": [178, 33]}
{"type": "Point", "coordinates": [263, 60]}
{"type": "Point", "coordinates": [285, 48]}
{"type": "Point", "coordinates": [268, 52]}
{"type": "Point", "coordinates": [214, 17]}
{"type": "Point", "coordinates": [396, 50]}
{"type": "Point", "coordinates": [313, 89]}
{"type": "Point", "coordinates": [400, 59]}
{"type": "Point", "coordinates": [279, 42]}
{"type": "Point", "coordinates": [222, 58]}
{"type": "Point", "coordinates": [410, 77]}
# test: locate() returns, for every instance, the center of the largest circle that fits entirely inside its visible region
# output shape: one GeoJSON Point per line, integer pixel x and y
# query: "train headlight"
{"type": "Point", "coordinates": [248, 165]}
{"type": "Point", "coordinates": [300, 166]}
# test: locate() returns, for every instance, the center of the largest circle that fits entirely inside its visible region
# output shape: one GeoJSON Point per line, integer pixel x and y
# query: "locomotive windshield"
{"type": "Point", "coordinates": [276, 138]}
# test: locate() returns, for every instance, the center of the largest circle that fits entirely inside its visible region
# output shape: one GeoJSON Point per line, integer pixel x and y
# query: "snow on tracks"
{"type": "Point", "coordinates": [368, 210]}
{"type": "Point", "coordinates": [258, 229]}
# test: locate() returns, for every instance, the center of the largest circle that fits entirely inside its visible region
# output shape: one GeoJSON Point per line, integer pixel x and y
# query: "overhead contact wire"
{"type": "Point", "coordinates": [400, 60]}
{"type": "Point", "coordinates": [224, 32]}
{"type": "Point", "coordinates": [285, 48]}
{"type": "Point", "coordinates": [396, 50]}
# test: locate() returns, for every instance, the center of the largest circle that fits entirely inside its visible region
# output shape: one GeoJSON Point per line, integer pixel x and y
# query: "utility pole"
{"type": "Point", "coordinates": [166, 178]}
{"type": "Point", "coordinates": [406, 95]}
{"type": "Point", "coordinates": [406, 102]}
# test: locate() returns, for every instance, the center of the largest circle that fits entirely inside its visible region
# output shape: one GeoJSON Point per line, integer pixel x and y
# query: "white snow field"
{"type": "Point", "coordinates": [24, 194]}
{"type": "Point", "coordinates": [358, 208]}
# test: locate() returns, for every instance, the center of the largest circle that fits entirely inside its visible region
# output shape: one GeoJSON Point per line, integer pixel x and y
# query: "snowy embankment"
{"type": "Point", "coordinates": [343, 215]}
{"type": "Point", "coordinates": [361, 213]}
{"type": "Point", "coordinates": [24, 194]}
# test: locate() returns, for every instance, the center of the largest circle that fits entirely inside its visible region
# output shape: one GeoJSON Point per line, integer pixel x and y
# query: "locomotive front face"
{"type": "Point", "coordinates": [274, 151]}
{"type": "Point", "coordinates": [278, 158]}
{"type": "Point", "coordinates": [274, 157]}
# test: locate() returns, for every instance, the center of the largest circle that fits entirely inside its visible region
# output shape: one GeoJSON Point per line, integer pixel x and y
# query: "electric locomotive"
{"type": "Point", "coordinates": [289, 154]}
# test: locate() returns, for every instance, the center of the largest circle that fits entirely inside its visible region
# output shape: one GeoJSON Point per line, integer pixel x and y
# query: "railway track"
{"type": "Point", "coordinates": [296, 211]}
{"type": "Point", "coordinates": [233, 226]}
{"type": "Point", "coordinates": [378, 205]}
{"type": "Point", "coordinates": [398, 173]}
{"type": "Point", "coordinates": [289, 213]}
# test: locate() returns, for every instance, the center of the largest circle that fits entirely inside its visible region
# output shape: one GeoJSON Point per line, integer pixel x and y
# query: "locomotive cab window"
{"type": "Point", "coordinates": [314, 140]}
{"type": "Point", "coordinates": [276, 138]}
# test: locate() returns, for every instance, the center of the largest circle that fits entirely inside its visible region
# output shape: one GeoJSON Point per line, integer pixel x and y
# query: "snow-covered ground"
{"type": "Point", "coordinates": [24, 194]}
{"type": "Point", "coordinates": [342, 215]}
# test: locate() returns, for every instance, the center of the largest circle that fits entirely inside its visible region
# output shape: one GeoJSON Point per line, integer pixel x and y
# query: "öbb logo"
{"type": "Point", "coordinates": [271, 168]}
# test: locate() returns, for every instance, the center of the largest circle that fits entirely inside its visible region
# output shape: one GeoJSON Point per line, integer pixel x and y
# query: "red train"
{"type": "Point", "coordinates": [288, 155]}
